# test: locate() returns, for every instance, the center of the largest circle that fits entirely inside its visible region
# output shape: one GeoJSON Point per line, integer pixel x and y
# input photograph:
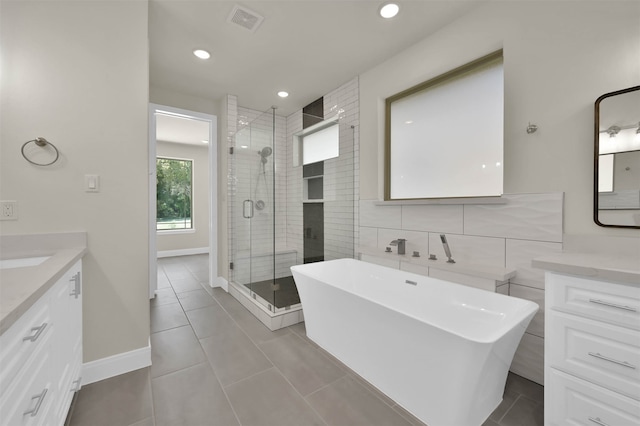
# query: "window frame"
{"type": "Point", "coordinates": [458, 72]}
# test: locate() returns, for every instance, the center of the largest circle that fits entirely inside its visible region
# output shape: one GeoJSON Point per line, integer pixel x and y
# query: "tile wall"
{"type": "Point", "coordinates": [341, 178]}
{"type": "Point", "coordinates": [506, 235]}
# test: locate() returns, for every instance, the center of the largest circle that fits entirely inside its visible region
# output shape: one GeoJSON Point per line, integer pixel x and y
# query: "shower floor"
{"type": "Point", "coordinates": [287, 295]}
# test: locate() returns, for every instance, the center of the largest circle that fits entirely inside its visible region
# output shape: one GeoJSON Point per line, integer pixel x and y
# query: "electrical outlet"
{"type": "Point", "coordinates": [8, 210]}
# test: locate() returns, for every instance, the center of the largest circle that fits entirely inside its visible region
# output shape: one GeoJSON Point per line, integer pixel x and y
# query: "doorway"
{"type": "Point", "coordinates": [173, 126]}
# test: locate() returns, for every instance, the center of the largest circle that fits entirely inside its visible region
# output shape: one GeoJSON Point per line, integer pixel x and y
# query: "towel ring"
{"type": "Point", "coordinates": [41, 142]}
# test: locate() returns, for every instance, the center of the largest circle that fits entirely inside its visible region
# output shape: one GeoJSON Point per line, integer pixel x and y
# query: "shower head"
{"type": "Point", "coordinates": [265, 152]}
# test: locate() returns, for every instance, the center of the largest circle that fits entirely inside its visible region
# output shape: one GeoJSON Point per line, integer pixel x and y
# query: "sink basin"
{"type": "Point", "coordinates": [22, 262]}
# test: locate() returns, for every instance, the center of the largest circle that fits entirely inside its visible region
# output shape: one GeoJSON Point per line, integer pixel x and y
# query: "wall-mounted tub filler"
{"type": "Point", "coordinates": [400, 242]}
{"type": "Point", "coordinates": [443, 238]}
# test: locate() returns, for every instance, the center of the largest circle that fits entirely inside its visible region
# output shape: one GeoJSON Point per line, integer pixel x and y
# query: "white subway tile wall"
{"type": "Point", "coordinates": [505, 235]}
{"type": "Point", "coordinates": [340, 198]}
{"type": "Point", "coordinates": [340, 180]}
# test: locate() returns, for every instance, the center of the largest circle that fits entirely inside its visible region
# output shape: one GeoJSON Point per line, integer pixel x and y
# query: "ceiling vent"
{"type": "Point", "coordinates": [246, 18]}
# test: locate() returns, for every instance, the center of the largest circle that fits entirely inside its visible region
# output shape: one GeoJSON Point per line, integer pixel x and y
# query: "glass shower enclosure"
{"type": "Point", "coordinates": [282, 214]}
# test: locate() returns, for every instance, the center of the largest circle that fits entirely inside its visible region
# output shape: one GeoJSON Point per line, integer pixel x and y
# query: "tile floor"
{"type": "Point", "coordinates": [215, 364]}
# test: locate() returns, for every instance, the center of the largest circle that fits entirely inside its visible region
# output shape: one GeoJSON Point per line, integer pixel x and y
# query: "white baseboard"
{"type": "Point", "coordinates": [115, 365]}
{"type": "Point", "coordinates": [221, 282]}
{"type": "Point", "coordinates": [183, 252]}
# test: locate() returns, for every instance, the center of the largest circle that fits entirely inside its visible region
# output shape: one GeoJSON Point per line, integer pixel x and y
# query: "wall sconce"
{"type": "Point", "coordinates": [532, 128]}
{"type": "Point", "coordinates": [613, 131]}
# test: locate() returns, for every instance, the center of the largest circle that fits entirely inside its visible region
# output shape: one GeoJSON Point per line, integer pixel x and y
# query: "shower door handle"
{"type": "Point", "coordinates": [247, 209]}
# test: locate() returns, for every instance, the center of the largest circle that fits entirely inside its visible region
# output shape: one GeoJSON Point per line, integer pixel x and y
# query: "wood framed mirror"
{"type": "Point", "coordinates": [616, 194]}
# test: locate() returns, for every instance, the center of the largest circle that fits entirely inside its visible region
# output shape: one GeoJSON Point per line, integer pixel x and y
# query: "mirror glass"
{"type": "Point", "coordinates": [617, 159]}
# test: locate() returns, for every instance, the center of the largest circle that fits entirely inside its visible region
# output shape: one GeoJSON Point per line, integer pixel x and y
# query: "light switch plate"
{"type": "Point", "coordinates": [9, 210]}
{"type": "Point", "coordinates": [91, 183]}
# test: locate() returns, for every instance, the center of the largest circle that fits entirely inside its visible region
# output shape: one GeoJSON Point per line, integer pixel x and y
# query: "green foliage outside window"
{"type": "Point", "coordinates": [174, 202]}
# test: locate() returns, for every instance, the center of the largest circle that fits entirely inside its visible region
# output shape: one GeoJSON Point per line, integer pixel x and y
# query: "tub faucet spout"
{"type": "Point", "coordinates": [400, 242]}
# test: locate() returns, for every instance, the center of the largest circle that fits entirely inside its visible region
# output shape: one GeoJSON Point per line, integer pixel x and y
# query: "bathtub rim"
{"type": "Point", "coordinates": [525, 314]}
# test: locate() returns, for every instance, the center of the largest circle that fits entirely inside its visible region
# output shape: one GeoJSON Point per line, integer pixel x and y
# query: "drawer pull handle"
{"type": "Point", "coordinates": [76, 285]}
{"type": "Point", "coordinates": [615, 361]}
{"type": "Point", "coordinates": [598, 421]}
{"type": "Point", "coordinates": [34, 410]}
{"type": "Point", "coordinates": [38, 331]}
{"type": "Point", "coordinates": [613, 305]}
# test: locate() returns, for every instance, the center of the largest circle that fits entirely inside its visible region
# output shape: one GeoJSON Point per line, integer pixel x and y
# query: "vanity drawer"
{"type": "Point", "coordinates": [617, 304]}
{"type": "Point", "coordinates": [571, 401]}
{"type": "Point", "coordinates": [31, 391]}
{"type": "Point", "coordinates": [602, 353]}
{"type": "Point", "coordinates": [22, 339]}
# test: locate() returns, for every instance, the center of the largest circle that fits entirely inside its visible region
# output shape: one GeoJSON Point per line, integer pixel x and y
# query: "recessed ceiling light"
{"type": "Point", "coordinates": [283, 94]}
{"type": "Point", "coordinates": [389, 10]}
{"type": "Point", "coordinates": [202, 54]}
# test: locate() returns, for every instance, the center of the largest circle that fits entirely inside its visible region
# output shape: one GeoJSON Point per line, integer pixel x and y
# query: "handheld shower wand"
{"type": "Point", "coordinates": [447, 251]}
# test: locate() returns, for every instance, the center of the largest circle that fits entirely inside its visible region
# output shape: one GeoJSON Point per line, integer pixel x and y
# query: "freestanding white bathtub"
{"type": "Point", "coordinates": [440, 350]}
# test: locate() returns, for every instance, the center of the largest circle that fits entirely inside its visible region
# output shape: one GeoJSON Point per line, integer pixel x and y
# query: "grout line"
{"type": "Point", "coordinates": [509, 409]}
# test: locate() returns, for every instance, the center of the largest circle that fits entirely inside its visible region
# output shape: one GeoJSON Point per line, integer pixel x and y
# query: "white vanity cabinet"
{"type": "Point", "coordinates": [592, 351]}
{"type": "Point", "coordinates": [41, 356]}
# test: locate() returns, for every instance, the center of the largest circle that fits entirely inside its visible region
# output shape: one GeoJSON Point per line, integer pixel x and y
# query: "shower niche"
{"type": "Point", "coordinates": [282, 212]}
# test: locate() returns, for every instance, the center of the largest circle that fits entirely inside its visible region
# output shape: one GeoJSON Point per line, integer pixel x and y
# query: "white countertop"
{"type": "Point", "coordinates": [481, 271]}
{"type": "Point", "coordinates": [604, 267]}
{"type": "Point", "coordinates": [21, 287]}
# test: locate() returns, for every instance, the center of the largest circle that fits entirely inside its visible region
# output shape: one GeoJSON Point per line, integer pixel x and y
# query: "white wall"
{"type": "Point", "coordinates": [77, 74]}
{"type": "Point", "coordinates": [558, 58]}
{"type": "Point", "coordinates": [200, 214]}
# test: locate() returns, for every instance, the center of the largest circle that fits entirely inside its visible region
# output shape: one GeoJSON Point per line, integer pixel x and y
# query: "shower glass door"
{"type": "Point", "coordinates": [253, 209]}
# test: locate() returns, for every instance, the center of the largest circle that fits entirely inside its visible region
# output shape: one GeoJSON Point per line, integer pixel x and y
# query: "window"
{"type": "Point", "coordinates": [317, 143]}
{"type": "Point", "coordinates": [173, 194]}
{"type": "Point", "coordinates": [444, 137]}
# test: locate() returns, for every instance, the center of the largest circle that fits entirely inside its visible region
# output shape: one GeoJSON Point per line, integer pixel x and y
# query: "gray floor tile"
{"type": "Point", "coordinates": [201, 272]}
{"type": "Point", "coordinates": [174, 349]}
{"type": "Point", "coordinates": [207, 287]}
{"type": "Point", "coordinates": [233, 355]}
{"type": "Point", "coordinates": [267, 399]}
{"type": "Point", "coordinates": [163, 281]}
{"type": "Point", "coordinates": [121, 400]}
{"type": "Point", "coordinates": [164, 317]}
{"type": "Point", "coordinates": [256, 330]}
{"type": "Point", "coordinates": [374, 390]}
{"type": "Point", "coordinates": [145, 422]}
{"type": "Point", "coordinates": [525, 387]}
{"type": "Point", "coordinates": [408, 416]}
{"type": "Point", "coordinates": [508, 400]}
{"type": "Point", "coordinates": [164, 296]}
{"type": "Point", "coordinates": [188, 283]}
{"type": "Point", "coordinates": [302, 364]}
{"type": "Point", "coordinates": [347, 402]}
{"type": "Point", "coordinates": [524, 412]}
{"type": "Point", "coordinates": [195, 299]}
{"type": "Point", "coordinates": [175, 275]}
{"type": "Point", "coordinates": [301, 331]}
{"type": "Point", "coordinates": [191, 396]}
{"type": "Point", "coordinates": [210, 321]}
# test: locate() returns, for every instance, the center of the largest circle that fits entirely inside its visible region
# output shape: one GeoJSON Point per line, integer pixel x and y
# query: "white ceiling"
{"type": "Point", "coordinates": [306, 47]}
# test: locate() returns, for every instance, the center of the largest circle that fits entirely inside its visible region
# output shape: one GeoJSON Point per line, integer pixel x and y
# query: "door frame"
{"type": "Point", "coordinates": [213, 191]}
